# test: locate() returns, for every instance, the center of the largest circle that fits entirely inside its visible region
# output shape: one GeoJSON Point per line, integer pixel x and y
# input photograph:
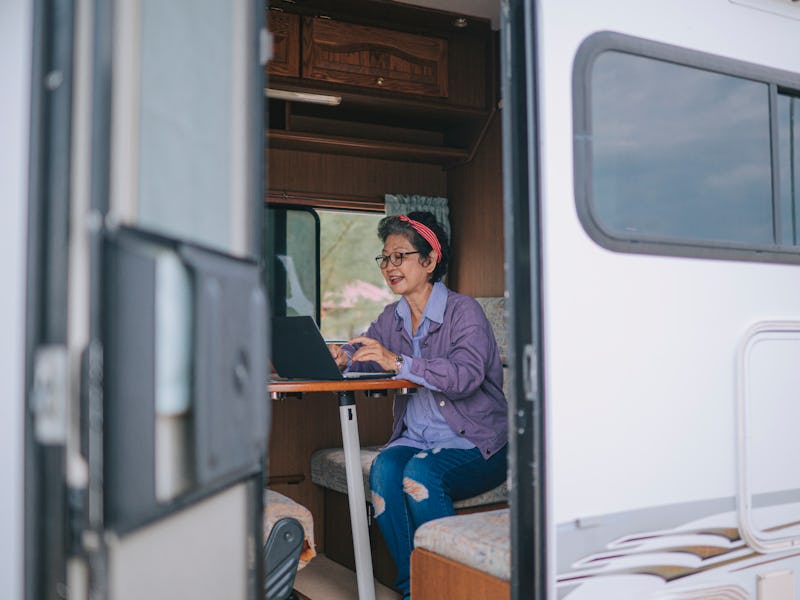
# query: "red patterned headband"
{"type": "Point", "coordinates": [426, 233]}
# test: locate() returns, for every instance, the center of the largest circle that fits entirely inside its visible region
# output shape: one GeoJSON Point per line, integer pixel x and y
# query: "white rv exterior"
{"type": "Point", "coordinates": [671, 392]}
{"type": "Point", "coordinates": [15, 47]}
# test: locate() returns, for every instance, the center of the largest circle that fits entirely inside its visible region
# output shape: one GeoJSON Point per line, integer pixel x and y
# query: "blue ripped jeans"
{"type": "Point", "coordinates": [412, 486]}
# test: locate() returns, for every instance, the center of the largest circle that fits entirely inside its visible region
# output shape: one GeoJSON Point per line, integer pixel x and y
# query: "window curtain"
{"type": "Point", "coordinates": [402, 204]}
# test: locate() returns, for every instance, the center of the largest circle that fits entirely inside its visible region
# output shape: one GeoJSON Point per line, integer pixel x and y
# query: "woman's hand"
{"type": "Point", "coordinates": [339, 356]}
{"type": "Point", "coordinates": [372, 350]}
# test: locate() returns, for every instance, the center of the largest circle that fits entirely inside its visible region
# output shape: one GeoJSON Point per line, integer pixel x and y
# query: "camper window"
{"type": "Point", "coordinates": [684, 154]}
{"type": "Point", "coordinates": [324, 267]}
{"type": "Point", "coordinates": [789, 166]}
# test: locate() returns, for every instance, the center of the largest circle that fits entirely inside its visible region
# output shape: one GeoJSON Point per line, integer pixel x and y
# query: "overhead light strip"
{"type": "Point", "coordinates": [325, 99]}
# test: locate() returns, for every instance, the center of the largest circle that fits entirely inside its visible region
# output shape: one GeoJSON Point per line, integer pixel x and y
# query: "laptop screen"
{"type": "Point", "coordinates": [299, 352]}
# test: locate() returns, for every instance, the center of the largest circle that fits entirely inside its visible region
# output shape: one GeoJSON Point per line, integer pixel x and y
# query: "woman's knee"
{"type": "Point", "coordinates": [386, 472]}
{"type": "Point", "coordinates": [385, 480]}
{"type": "Point", "coordinates": [381, 470]}
{"type": "Point", "coordinates": [419, 479]}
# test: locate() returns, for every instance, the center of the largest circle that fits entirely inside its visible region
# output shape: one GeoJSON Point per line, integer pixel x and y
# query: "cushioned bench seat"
{"type": "Point", "coordinates": [327, 470]}
{"type": "Point", "coordinates": [277, 507]}
{"type": "Point", "coordinates": [478, 540]}
{"type": "Point", "coordinates": [466, 557]}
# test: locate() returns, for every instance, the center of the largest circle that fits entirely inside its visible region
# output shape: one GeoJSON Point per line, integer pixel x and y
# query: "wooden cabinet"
{"type": "Point", "coordinates": [285, 30]}
{"type": "Point", "coordinates": [411, 84]}
{"type": "Point", "coordinates": [374, 58]}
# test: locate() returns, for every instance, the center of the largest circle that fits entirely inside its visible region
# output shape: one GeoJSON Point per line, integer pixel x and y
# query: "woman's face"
{"type": "Point", "coordinates": [411, 275]}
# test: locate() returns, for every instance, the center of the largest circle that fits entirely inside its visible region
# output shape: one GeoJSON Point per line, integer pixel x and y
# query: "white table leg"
{"type": "Point", "coordinates": [355, 494]}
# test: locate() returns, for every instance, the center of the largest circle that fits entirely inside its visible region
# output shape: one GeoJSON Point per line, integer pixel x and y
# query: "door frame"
{"type": "Point", "coordinates": [521, 184]}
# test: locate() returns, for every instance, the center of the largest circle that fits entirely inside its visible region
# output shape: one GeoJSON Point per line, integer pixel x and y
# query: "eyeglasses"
{"type": "Point", "coordinates": [396, 259]}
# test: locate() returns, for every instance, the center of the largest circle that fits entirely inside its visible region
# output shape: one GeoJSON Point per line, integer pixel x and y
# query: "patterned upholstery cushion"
{"type": "Point", "coordinates": [479, 540]}
{"type": "Point", "coordinates": [277, 507]}
{"type": "Point", "coordinates": [495, 309]}
{"type": "Point", "coordinates": [327, 470]}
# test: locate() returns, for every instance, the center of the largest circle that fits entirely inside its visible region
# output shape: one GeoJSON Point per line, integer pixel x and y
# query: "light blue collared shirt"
{"type": "Point", "coordinates": [425, 427]}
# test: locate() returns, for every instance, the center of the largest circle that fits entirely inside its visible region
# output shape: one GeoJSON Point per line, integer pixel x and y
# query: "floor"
{"type": "Point", "coordinates": [323, 579]}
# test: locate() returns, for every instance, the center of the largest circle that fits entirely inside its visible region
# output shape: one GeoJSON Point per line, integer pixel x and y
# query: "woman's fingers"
{"type": "Point", "coordinates": [366, 353]}
{"type": "Point", "coordinates": [368, 346]}
{"type": "Point", "coordinates": [339, 356]}
{"type": "Point", "coordinates": [371, 349]}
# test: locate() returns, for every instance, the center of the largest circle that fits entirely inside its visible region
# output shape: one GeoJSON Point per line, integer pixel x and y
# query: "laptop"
{"type": "Point", "coordinates": [299, 352]}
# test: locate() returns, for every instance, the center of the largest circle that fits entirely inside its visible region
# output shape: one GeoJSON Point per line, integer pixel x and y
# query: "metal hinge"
{"type": "Point", "coordinates": [530, 374]}
{"type": "Point", "coordinates": [50, 394]}
{"type": "Point", "coordinates": [76, 507]}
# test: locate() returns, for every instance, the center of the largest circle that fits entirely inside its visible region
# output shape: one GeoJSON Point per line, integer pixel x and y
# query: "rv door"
{"type": "Point", "coordinates": [146, 341]}
{"type": "Point", "coordinates": [522, 237]}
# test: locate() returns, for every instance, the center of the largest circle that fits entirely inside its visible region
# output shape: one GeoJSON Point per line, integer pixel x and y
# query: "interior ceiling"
{"type": "Point", "coordinates": [486, 9]}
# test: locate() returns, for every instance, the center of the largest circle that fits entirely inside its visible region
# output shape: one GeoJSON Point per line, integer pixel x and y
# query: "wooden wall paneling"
{"type": "Point", "coordinates": [335, 144]}
{"type": "Point", "coordinates": [468, 67]}
{"type": "Point", "coordinates": [475, 191]}
{"type": "Point", "coordinates": [300, 425]}
{"type": "Point", "coordinates": [374, 419]}
{"type": "Point", "coordinates": [353, 128]}
{"type": "Point", "coordinates": [298, 171]}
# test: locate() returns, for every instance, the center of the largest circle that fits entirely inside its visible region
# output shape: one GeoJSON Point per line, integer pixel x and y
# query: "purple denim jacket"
{"type": "Point", "coordinates": [461, 360]}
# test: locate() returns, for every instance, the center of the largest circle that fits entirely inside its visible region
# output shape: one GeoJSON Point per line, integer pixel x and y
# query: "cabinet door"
{"type": "Point", "coordinates": [375, 58]}
{"type": "Point", "coordinates": [285, 29]}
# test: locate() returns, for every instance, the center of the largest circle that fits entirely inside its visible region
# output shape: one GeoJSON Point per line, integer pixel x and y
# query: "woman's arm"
{"type": "Point", "coordinates": [465, 353]}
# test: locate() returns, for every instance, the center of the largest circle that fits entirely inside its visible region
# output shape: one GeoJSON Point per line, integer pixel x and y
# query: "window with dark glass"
{"type": "Point", "coordinates": [672, 155]}
{"type": "Point", "coordinates": [292, 265]}
{"type": "Point", "coordinates": [789, 166]}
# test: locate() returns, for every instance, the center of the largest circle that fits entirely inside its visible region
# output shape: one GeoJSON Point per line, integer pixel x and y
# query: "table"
{"type": "Point", "coordinates": [345, 390]}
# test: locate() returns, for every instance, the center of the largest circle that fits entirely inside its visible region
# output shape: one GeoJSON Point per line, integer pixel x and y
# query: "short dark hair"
{"type": "Point", "coordinates": [394, 225]}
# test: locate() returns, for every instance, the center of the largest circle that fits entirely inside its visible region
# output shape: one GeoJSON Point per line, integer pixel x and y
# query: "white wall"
{"type": "Point", "coordinates": [15, 45]}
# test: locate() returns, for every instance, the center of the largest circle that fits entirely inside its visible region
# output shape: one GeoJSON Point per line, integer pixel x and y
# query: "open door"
{"type": "Point", "coordinates": [528, 477]}
{"type": "Point", "coordinates": [147, 324]}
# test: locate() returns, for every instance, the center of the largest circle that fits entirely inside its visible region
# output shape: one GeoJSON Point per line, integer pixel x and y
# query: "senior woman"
{"type": "Point", "coordinates": [449, 438]}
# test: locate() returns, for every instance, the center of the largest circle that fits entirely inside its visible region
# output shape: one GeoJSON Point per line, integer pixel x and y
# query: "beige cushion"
{"type": "Point", "coordinates": [495, 310]}
{"type": "Point", "coordinates": [327, 470]}
{"type": "Point", "coordinates": [479, 540]}
{"type": "Point", "coordinates": [277, 507]}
